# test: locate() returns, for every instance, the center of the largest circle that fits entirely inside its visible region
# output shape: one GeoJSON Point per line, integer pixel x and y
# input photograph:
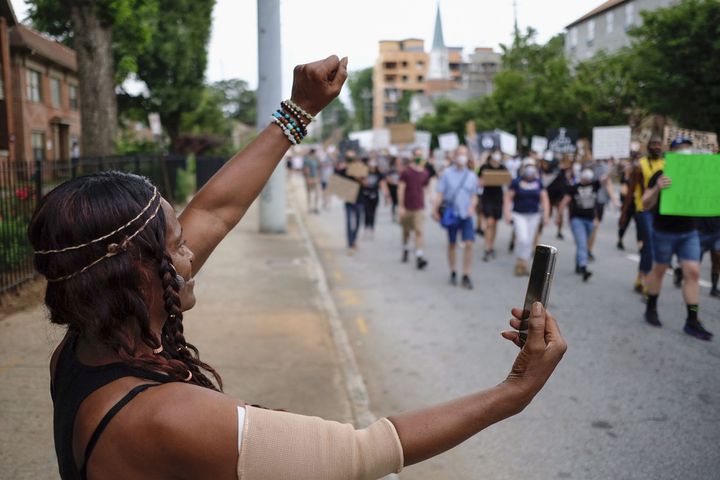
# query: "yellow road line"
{"type": "Point", "coordinates": [362, 326]}
{"type": "Point", "coordinates": [338, 276]}
{"type": "Point", "coordinates": [349, 297]}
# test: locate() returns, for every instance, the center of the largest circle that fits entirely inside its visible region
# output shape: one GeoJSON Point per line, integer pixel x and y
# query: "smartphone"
{"type": "Point", "coordinates": [541, 276]}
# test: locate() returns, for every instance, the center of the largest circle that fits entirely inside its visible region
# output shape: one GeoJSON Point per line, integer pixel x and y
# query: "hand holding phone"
{"type": "Point", "coordinates": [541, 276]}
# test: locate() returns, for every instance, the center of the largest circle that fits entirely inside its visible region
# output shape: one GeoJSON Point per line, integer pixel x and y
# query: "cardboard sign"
{"type": "Point", "coordinates": [611, 142]}
{"type": "Point", "coordinates": [508, 143]}
{"type": "Point", "coordinates": [695, 189]}
{"type": "Point", "coordinates": [496, 178]}
{"type": "Point", "coordinates": [343, 188]}
{"type": "Point", "coordinates": [538, 144]}
{"type": "Point", "coordinates": [562, 140]}
{"type": "Point", "coordinates": [402, 133]}
{"type": "Point", "coordinates": [357, 170]}
{"type": "Point", "coordinates": [364, 138]}
{"type": "Point", "coordinates": [449, 141]}
{"type": "Point", "coordinates": [702, 141]}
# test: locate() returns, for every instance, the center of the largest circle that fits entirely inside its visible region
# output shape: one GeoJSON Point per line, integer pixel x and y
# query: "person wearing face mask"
{"type": "Point", "coordinates": [582, 199]}
{"type": "Point", "coordinates": [457, 189]}
{"type": "Point", "coordinates": [673, 235]}
{"type": "Point", "coordinates": [492, 202]}
{"type": "Point", "coordinates": [640, 177]}
{"type": "Point", "coordinates": [353, 210]}
{"type": "Point", "coordinates": [526, 203]}
{"type": "Point", "coordinates": [370, 195]}
{"type": "Point", "coordinates": [411, 197]}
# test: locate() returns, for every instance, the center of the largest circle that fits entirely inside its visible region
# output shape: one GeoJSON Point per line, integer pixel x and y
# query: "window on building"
{"type": "Point", "coordinates": [629, 15]}
{"type": "Point", "coordinates": [573, 37]}
{"type": "Point", "coordinates": [420, 78]}
{"type": "Point", "coordinates": [591, 32]}
{"type": "Point", "coordinates": [73, 97]}
{"type": "Point", "coordinates": [37, 141]}
{"type": "Point", "coordinates": [55, 92]}
{"type": "Point", "coordinates": [420, 64]}
{"type": "Point", "coordinates": [609, 22]}
{"type": "Point", "coordinates": [390, 65]}
{"type": "Point", "coordinates": [404, 78]}
{"type": "Point", "coordinates": [33, 86]}
{"type": "Point", "coordinates": [404, 64]}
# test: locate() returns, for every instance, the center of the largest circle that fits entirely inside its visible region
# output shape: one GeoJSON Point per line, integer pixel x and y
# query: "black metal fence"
{"type": "Point", "coordinates": [23, 183]}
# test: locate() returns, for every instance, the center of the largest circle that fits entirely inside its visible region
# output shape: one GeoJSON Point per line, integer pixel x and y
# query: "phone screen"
{"type": "Point", "coordinates": [541, 275]}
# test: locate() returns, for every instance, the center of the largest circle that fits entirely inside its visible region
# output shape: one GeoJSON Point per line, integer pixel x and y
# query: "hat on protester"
{"type": "Point", "coordinates": [680, 140]}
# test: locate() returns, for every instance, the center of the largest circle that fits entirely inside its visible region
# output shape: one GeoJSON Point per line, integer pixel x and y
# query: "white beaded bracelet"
{"type": "Point", "coordinates": [300, 110]}
{"type": "Point", "coordinates": [285, 130]}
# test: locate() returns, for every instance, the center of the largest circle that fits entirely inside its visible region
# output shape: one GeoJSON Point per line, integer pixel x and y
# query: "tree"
{"type": "Point", "coordinates": [676, 50]}
{"type": "Point", "coordinates": [238, 101]}
{"type": "Point", "coordinates": [107, 36]}
{"type": "Point", "coordinates": [174, 68]}
{"type": "Point", "coordinates": [335, 120]}
{"type": "Point", "coordinates": [361, 91]}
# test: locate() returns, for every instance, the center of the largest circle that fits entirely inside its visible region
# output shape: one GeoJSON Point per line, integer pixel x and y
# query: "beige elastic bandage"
{"type": "Point", "coordinates": [280, 445]}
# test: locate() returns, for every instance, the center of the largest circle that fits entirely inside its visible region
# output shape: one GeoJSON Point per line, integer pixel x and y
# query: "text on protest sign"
{"type": "Point", "coordinates": [449, 141]}
{"type": "Point", "coordinates": [695, 189]}
{"type": "Point", "coordinates": [703, 141]}
{"type": "Point", "coordinates": [562, 140]}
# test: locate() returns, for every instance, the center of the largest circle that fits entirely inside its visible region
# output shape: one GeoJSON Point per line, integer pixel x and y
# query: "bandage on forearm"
{"type": "Point", "coordinates": [280, 445]}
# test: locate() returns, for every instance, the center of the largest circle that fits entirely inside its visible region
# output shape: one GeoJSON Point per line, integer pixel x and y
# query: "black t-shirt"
{"type": "Point", "coordinates": [556, 186]}
{"type": "Point", "coordinates": [708, 225]}
{"type": "Point", "coordinates": [669, 223]}
{"type": "Point", "coordinates": [372, 189]}
{"type": "Point", "coordinates": [492, 195]}
{"type": "Point", "coordinates": [583, 199]}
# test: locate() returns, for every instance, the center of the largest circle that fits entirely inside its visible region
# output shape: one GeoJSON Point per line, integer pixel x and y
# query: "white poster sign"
{"type": "Point", "coordinates": [423, 139]}
{"type": "Point", "coordinates": [538, 144]}
{"type": "Point", "coordinates": [611, 142]}
{"type": "Point", "coordinates": [381, 138]}
{"type": "Point", "coordinates": [364, 137]}
{"type": "Point", "coordinates": [155, 125]}
{"type": "Point", "coordinates": [449, 141]}
{"type": "Point", "coordinates": [508, 143]}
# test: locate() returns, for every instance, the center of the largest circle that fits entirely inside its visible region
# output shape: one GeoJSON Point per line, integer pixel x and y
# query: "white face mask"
{"type": "Point", "coordinates": [587, 176]}
{"type": "Point", "coordinates": [684, 151]}
{"type": "Point", "coordinates": [461, 160]}
{"type": "Point", "coordinates": [530, 172]}
{"type": "Point", "coordinates": [496, 156]}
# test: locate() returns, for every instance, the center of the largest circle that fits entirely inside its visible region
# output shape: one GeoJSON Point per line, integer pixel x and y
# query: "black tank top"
{"type": "Point", "coordinates": [73, 383]}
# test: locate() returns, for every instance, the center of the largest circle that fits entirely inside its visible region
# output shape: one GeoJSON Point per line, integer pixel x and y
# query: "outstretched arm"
{"type": "Point", "coordinates": [223, 201]}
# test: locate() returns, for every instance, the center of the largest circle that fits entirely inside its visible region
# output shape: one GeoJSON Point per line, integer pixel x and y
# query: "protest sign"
{"type": "Point", "coordinates": [423, 139]}
{"type": "Point", "coordinates": [611, 142]}
{"type": "Point", "coordinates": [562, 140]}
{"type": "Point", "coordinates": [402, 133]}
{"type": "Point", "coordinates": [346, 145]}
{"type": "Point", "coordinates": [702, 141]}
{"type": "Point", "coordinates": [381, 138]}
{"type": "Point", "coordinates": [343, 188]}
{"type": "Point", "coordinates": [357, 170]}
{"type": "Point", "coordinates": [488, 141]}
{"type": "Point", "coordinates": [449, 141]}
{"type": "Point", "coordinates": [538, 144]}
{"type": "Point", "coordinates": [695, 189]}
{"type": "Point", "coordinates": [364, 138]}
{"type": "Point", "coordinates": [496, 178]}
{"type": "Point", "coordinates": [508, 142]}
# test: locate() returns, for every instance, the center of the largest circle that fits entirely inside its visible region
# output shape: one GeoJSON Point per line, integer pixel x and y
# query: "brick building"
{"type": "Point", "coordinates": [40, 104]}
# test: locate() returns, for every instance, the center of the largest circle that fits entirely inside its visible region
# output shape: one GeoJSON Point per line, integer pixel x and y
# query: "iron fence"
{"type": "Point", "coordinates": [23, 183]}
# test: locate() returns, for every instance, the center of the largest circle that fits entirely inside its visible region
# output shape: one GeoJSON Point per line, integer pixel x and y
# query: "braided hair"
{"type": "Point", "coordinates": [108, 302]}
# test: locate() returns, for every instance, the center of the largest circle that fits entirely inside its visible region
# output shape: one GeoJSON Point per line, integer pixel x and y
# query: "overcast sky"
{"type": "Point", "coordinates": [314, 29]}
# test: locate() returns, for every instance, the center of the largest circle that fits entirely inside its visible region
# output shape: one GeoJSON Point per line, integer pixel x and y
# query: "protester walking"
{"type": "Point", "coordinates": [709, 229]}
{"type": "Point", "coordinates": [526, 205]}
{"type": "Point", "coordinates": [370, 193]}
{"type": "Point", "coordinates": [673, 235]}
{"type": "Point", "coordinates": [353, 169]}
{"type": "Point", "coordinates": [392, 179]}
{"type": "Point", "coordinates": [411, 197]}
{"type": "Point", "coordinates": [601, 173]}
{"type": "Point", "coordinates": [456, 193]}
{"type": "Point", "coordinates": [492, 202]}
{"type": "Point", "coordinates": [627, 203]}
{"type": "Point", "coordinates": [311, 173]}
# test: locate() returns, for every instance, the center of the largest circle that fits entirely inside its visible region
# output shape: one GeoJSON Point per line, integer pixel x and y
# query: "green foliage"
{"type": "Point", "coordinates": [174, 68]}
{"type": "Point", "coordinates": [238, 101]}
{"type": "Point", "coordinates": [361, 89]}
{"type": "Point", "coordinates": [677, 70]}
{"type": "Point", "coordinates": [186, 181]}
{"type": "Point", "coordinates": [208, 116]}
{"type": "Point", "coordinates": [132, 22]}
{"type": "Point", "coordinates": [15, 212]}
{"type": "Point", "coordinates": [129, 145]}
{"type": "Point", "coordinates": [335, 118]}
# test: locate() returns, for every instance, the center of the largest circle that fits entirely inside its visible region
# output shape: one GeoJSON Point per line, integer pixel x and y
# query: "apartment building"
{"type": "Point", "coordinates": [606, 27]}
{"type": "Point", "coordinates": [401, 66]}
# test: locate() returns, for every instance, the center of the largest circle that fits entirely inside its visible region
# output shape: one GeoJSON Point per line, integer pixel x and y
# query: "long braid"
{"type": "Point", "coordinates": [174, 342]}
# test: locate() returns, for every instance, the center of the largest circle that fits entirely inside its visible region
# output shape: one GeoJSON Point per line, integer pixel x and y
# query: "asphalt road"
{"type": "Point", "coordinates": [629, 401]}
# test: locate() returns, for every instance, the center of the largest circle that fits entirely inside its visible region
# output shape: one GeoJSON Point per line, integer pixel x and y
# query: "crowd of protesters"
{"type": "Point", "coordinates": [460, 191]}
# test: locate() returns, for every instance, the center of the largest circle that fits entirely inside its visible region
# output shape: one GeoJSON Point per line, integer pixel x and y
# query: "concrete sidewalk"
{"type": "Point", "coordinates": [262, 320]}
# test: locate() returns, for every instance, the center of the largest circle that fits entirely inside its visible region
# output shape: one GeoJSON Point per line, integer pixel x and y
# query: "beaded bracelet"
{"type": "Point", "coordinates": [292, 120]}
{"type": "Point", "coordinates": [297, 109]}
{"type": "Point", "coordinates": [287, 132]}
{"type": "Point", "coordinates": [296, 116]}
{"type": "Point", "coordinates": [293, 131]}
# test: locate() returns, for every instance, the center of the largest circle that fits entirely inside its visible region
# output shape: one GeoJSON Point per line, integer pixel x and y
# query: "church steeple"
{"type": "Point", "coordinates": [438, 40]}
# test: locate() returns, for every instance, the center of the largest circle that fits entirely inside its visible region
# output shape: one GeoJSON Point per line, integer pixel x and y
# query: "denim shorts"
{"type": "Point", "coordinates": [710, 242]}
{"type": "Point", "coordinates": [685, 245]}
{"type": "Point", "coordinates": [465, 227]}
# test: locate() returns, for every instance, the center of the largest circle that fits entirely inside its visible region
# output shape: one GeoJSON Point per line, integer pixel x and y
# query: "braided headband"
{"type": "Point", "coordinates": [75, 247]}
{"type": "Point", "coordinates": [112, 248]}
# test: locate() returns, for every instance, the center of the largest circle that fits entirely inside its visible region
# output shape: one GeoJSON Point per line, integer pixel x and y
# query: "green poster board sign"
{"type": "Point", "coordinates": [695, 189]}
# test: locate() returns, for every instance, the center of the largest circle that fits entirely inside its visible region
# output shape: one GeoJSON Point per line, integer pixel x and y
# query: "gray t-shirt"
{"type": "Point", "coordinates": [601, 169]}
{"type": "Point", "coordinates": [450, 183]}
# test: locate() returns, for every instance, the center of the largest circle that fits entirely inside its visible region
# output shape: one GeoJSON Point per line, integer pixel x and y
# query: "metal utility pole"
{"type": "Point", "coordinates": [269, 96]}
